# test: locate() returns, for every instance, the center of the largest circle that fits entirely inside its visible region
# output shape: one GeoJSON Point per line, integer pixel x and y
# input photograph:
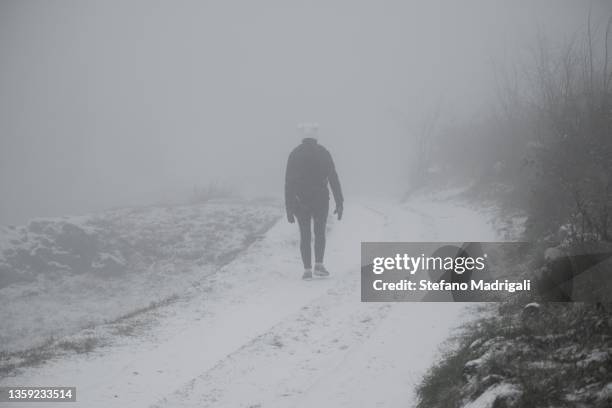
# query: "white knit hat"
{"type": "Point", "coordinates": [308, 129]}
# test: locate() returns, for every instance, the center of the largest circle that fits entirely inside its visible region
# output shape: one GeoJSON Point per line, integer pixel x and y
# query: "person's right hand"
{"type": "Point", "coordinates": [290, 217]}
{"type": "Point", "coordinates": [339, 210]}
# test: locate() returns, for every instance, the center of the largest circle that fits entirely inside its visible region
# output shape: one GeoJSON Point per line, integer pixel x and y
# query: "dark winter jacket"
{"type": "Point", "coordinates": [309, 169]}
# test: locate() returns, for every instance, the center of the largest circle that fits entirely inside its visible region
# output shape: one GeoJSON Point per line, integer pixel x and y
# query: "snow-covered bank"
{"type": "Point", "coordinates": [65, 274]}
{"type": "Point", "coordinates": [254, 334]}
{"type": "Point", "coordinates": [539, 355]}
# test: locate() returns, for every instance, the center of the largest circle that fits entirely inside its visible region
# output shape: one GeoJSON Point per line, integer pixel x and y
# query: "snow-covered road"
{"type": "Point", "coordinates": [254, 335]}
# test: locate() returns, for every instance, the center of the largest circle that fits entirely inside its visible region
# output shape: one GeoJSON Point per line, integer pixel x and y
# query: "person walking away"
{"type": "Point", "coordinates": [310, 168]}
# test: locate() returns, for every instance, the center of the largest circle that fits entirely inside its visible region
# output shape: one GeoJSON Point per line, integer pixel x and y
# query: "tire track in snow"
{"type": "Point", "coordinates": [290, 363]}
{"type": "Point", "coordinates": [281, 365]}
{"type": "Point", "coordinates": [384, 349]}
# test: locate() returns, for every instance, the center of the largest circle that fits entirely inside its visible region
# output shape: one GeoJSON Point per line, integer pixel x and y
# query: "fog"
{"type": "Point", "coordinates": [115, 103]}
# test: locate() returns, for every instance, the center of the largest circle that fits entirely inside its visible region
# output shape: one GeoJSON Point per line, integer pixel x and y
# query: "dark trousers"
{"type": "Point", "coordinates": [306, 216]}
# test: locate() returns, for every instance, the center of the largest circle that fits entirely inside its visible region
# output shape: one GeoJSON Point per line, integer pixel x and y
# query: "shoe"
{"type": "Point", "coordinates": [319, 270]}
{"type": "Point", "coordinates": [307, 274]}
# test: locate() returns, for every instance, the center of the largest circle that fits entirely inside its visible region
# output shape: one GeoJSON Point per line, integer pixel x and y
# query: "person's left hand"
{"type": "Point", "coordinates": [290, 217]}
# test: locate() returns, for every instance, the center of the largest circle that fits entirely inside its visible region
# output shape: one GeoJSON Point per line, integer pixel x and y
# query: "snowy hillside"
{"type": "Point", "coordinates": [60, 275]}
{"type": "Point", "coordinates": [554, 354]}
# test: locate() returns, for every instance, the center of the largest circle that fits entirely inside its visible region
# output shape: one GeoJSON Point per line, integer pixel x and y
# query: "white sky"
{"type": "Point", "coordinates": [110, 103]}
